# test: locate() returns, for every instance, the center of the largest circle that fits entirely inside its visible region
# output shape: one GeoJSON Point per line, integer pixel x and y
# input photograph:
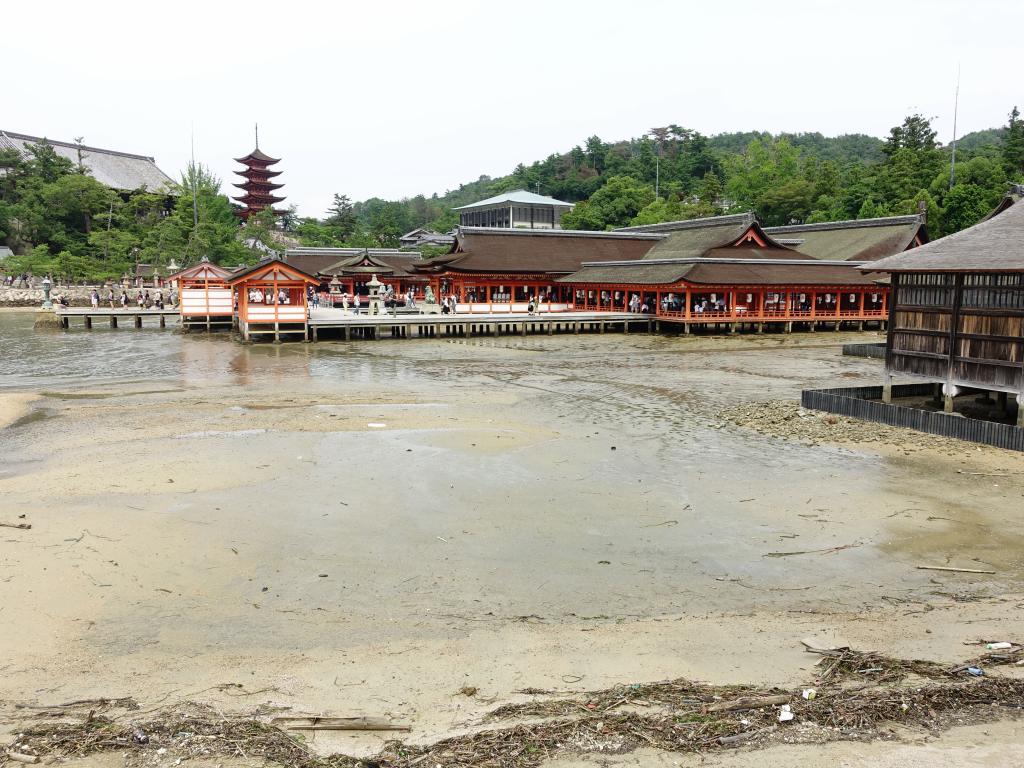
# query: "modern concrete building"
{"type": "Point", "coordinates": [518, 209]}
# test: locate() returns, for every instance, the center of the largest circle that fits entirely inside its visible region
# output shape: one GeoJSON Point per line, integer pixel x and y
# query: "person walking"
{"type": "Point", "coordinates": [124, 299]}
{"type": "Point", "coordinates": [95, 299]}
{"type": "Point", "coordinates": [110, 297]}
{"type": "Point", "coordinates": [139, 301]}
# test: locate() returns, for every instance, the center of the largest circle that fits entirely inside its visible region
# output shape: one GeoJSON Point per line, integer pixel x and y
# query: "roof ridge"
{"type": "Point", "coordinates": [724, 260]}
{"type": "Point", "coordinates": [614, 234]}
{"type": "Point", "coordinates": [881, 221]}
{"type": "Point", "coordinates": [673, 226]}
{"type": "Point", "coordinates": [72, 145]}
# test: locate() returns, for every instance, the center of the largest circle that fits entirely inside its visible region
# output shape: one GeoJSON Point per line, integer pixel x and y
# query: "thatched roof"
{"type": "Point", "coordinates": [535, 251]}
{"type": "Point", "coordinates": [993, 245]}
{"type": "Point", "coordinates": [699, 237]}
{"type": "Point", "coordinates": [855, 240]}
{"type": "Point", "coordinates": [723, 266]}
{"type": "Point", "coordinates": [321, 261]}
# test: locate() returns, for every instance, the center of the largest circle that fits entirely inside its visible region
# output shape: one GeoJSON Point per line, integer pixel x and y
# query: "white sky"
{"type": "Point", "coordinates": [390, 99]}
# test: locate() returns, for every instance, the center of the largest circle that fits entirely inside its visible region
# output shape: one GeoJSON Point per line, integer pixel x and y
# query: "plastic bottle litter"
{"type": "Point", "coordinates": [998, 646]}
{"type": "Point", "coordinates": [975, 671]}
{"type": "Point", "coordinates": [785, 713]}
{"type": "Point", "coordinates": [809, 693]}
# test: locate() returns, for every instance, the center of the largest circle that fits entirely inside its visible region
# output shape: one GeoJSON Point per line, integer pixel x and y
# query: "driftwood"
{"type": "Point", "coordinates": [22, 526]}
{"type": "Point", "coordinates": [749, 702]}
{"type": "Point", "coordinates": [18, 757]}
{"type": "Point", "coordinates": [947, 568]}
{"type": "Point", "coordinates": [338, 724]}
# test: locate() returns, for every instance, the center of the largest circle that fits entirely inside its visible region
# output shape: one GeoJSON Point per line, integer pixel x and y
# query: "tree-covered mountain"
{"type": "Point", "coordinates": [57, 219]}
{"type": "Point", "coordinates": [676, 173]}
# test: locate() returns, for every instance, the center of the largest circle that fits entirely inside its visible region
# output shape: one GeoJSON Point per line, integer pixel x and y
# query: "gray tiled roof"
{"type": "Point", "coordinates": [993, 245]}
{"type": "Point", "coordinates": [119, 170]}
{"type": "Point", "coordinates": [518, 196]}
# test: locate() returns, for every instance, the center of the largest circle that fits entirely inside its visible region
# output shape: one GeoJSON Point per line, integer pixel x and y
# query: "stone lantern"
{"type": "Point", "coordinates": [47, 285]}
{"type": "Point", "coordinates": [374, 302]}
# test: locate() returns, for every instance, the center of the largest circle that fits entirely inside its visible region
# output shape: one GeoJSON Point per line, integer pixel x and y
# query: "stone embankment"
{"type": "Point", "coordinates": [787, 419]}
{"type": "Point", "coordinates": [78, 295]}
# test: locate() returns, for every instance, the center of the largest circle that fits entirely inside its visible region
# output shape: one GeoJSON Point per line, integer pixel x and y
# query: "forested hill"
{"type": "Point", "coordinates": [59, 220]}
{"type": "Point", "coordinates": [675, 173]}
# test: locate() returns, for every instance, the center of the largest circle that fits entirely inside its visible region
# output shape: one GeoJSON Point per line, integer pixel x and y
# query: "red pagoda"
{"type": "Point", "coordinates": [258, 186]}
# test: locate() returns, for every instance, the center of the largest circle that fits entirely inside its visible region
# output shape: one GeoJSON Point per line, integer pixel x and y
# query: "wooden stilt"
{"type": "Point", "coordinates": [947, 403]}
{"type": "Point", "coordinates": [1020, 409]}
{"type": "Point", "coordinates": [88, 322]}
{"type": "Point", "coordinates": [887, 389]}
{"type": "Point", "coordinates": [163, 321]}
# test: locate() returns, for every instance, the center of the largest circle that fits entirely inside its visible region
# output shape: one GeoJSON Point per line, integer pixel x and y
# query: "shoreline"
{"type": "Point", "coordinates": [15, 406]}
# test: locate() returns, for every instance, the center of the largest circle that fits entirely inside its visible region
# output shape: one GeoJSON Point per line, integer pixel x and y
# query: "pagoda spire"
{"type": "Point", "coordinates": [257, 186]}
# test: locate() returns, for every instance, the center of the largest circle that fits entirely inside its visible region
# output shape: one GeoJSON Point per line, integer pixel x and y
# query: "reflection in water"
{"type": "Point", "coordinates": [31, 359]}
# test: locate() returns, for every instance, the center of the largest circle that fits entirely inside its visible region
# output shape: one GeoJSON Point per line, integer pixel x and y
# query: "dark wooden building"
{"type": "Point", "coordinates": [957, 313]}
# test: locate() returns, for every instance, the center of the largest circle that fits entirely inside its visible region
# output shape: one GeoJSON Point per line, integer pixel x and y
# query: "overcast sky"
{"type": "Point", "coordinates": [392, 99]}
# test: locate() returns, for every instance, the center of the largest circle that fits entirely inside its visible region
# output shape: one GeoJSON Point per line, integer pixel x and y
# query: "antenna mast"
{"type": "Point", "coordinates": [192, 171]}
{"type": "Point", "coordinates": [956, 109]}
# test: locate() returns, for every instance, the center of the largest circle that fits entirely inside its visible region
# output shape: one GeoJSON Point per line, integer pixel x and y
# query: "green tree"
{"type": "Point", "coordinates": [915, 133]}
{"type": "Point", "coordinates": [613, 205]}
{"type": "Point", "coordinates": [965, 205]}
{"type": "Point", "coordinates": [341, 217]}
{"type": "Point", "coordinates": [1013, 147]}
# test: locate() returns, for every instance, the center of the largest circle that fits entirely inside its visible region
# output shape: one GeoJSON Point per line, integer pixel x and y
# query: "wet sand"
{"type": "Point", "coordinates": [366, 528]}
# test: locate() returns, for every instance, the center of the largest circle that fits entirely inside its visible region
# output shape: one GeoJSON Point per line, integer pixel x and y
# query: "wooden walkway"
{"type": "Point", "coordinates": [114, 317]}
{"type": "Point", "coordinates": [348, 326]}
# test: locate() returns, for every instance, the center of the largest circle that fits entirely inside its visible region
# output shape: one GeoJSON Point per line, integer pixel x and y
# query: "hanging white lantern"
{"type": "Point", "coordinates": [853, 297]}
{"type": "Point", "coordinates": [750, 298]}
{"type": "Point", "coordinates": [874, 297]}
{"type": "Point", "coordinates": [714, 297]}
{"type": "Point", "coordinates": [803, 297]}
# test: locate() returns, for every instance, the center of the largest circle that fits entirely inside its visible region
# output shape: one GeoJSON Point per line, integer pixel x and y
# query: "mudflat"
{"type": "Point", "coordinates": [421, 530]}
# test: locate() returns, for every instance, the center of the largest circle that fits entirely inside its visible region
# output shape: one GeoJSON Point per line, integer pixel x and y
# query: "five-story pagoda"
{"type": "Point", "coordinates": [258, 186]}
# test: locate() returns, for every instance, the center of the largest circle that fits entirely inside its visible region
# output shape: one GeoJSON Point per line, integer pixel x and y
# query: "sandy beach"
{"type": "Point", "coordinates": [15, 406]}
{"type": "Point", "coordinates": [371, 529]}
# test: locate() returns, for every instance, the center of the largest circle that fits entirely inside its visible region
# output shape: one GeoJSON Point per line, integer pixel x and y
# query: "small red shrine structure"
{"type": "Point", "coordinates": [271, 299]}
{"type": "Point", "coordinates": [257, 186]}
{"type": "Point", "coordinates": [204, 295]}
